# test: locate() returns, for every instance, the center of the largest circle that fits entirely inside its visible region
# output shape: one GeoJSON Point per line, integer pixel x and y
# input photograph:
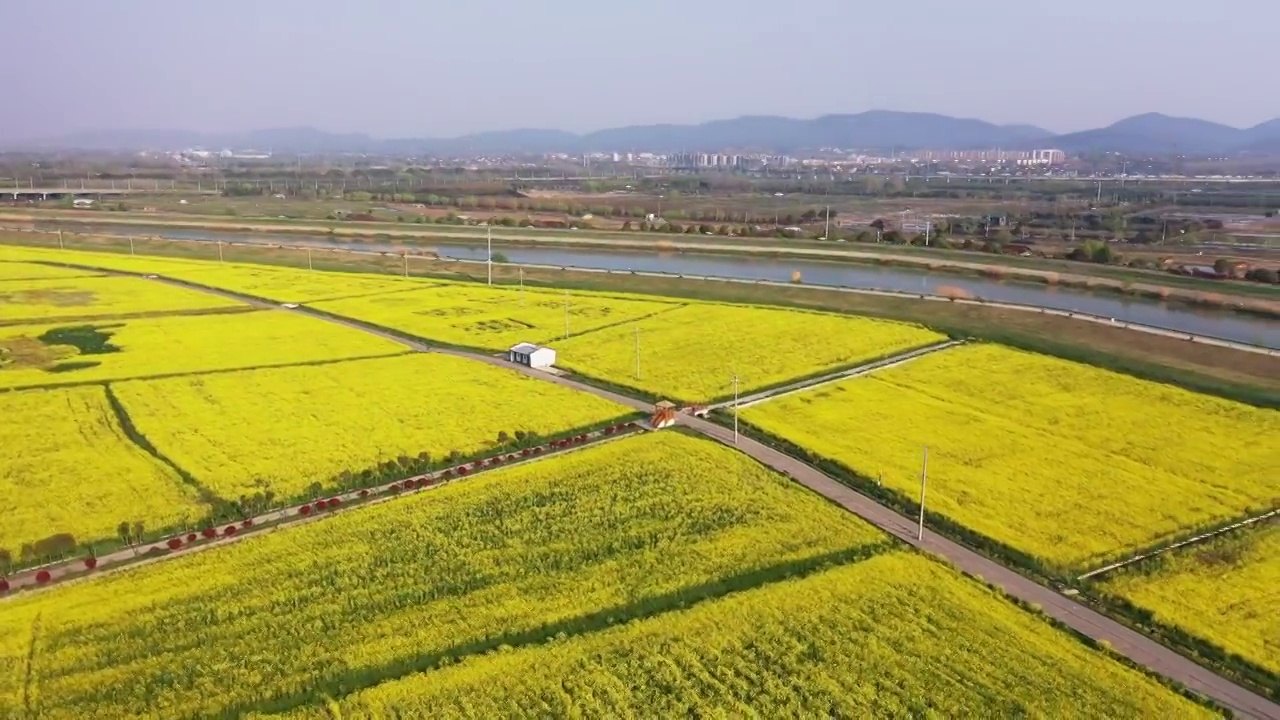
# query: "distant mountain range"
{"type": "Point", "coordinates": [1149, 134]}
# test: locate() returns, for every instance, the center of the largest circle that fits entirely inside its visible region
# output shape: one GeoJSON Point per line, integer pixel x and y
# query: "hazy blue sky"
{"type": "Point", "coordinates": [446, 68]}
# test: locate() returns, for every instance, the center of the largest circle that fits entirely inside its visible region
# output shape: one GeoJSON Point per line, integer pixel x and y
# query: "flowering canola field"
{"type": "Point", "coordinates": [1067, 462]}
{"type": "Point", "coordinates": [51, 299]}
{"type": "Point", "coordinates": [147, 347]}
{"type": "Point", "coordinates": [67, 467]}
{"type": "Point", "coordinates": [565, 544]}
{"type": "Point", "coordinates": [897, 635]}
{"type": "Point", "coordinates": [293, 426]}
{"type": "Point", "coordinates": [493, 318]}
{"type": "Point", "coordinates": [1225, 591]}
{"type": "Point", "coordinates": [693, 352]}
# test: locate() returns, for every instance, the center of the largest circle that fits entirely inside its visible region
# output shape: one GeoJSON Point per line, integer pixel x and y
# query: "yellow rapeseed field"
{"type": "Point", "coordinates": [1067, 462]}
{"type": "Point", "coordinates": [67, 467]}
{"type": "Point", "coordinates": [82, 297]}
{"type": "Point", "coordinates": [568, 544]}
{"type": "Point", "coordinates": [1225, 591]}
{"type": "Point", "coordinates": [290, 427]}
{"type": "Point", "coordinates": [15, 270]}
{"type": "Point", "coordinates": [145, 347]}
{"type": "Point", "coordinates": [896, 635]}
{"type": "Point", "coordinates": [493, 318]}
{"type": "Point", "coordinates": [692, 353]}
{"type": "Point", "coordinates": [293, 285]}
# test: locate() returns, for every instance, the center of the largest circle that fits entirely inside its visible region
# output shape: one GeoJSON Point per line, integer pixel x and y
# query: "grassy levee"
{"type": "Point", "coordinates": [1109, 278]}
{"type": "Point", "coordinates": [1248, 377]}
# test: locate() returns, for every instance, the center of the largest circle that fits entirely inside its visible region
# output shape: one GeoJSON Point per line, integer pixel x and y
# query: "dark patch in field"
{"type": "Point", "coordinates": [57, 297]}
{"type": "Point", "coordinates": [88, 339]}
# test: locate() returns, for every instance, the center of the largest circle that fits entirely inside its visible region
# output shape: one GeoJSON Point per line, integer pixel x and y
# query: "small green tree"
{"type": "Point", "coordinates": [122, 531]}
{"type": "Point", "coordinates": [138, 530]}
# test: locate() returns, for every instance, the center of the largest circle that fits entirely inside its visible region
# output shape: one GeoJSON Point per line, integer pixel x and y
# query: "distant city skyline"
{"type": "Point", "coordinates": [400, 70]}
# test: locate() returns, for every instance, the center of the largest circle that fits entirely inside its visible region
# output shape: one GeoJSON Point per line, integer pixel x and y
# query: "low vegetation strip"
{"type": "Point", "coordinates": [694, 352]}
{"type": "Point", "coordinates": [47, 355]}
{"type": "Point", "coordinates": [84, 297]}
{"type": "Point", "coordinates": [494, 318]}
{"type": "Point", "coordinates": [281, 430]}
{"type": "Point", "coordinates": [1063, 462]}
{"type": "Point", "coordinates": [11, 270]}
{"type": "Point", "coordinates": [563, 545]}
{"type": "Point", "coordinates": [894, 635]}
{"type": "Point", "coordinates": [1225, 591]}
{"type": "Point", "coordinates": [69, 475]}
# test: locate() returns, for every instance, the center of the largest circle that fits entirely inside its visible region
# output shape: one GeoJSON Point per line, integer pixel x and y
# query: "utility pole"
{"type": "Point", "coordinates": [637, 352]}
{"type": "Point", "coordinates": [130, 244]}
{"type": "Point", "coordinates": [924, 479]}
{"type": "Point", "coordinates": [60, 240]}
{"type": "Point", "coordinates": [489, 262]}
{"type": "Point", "coordinates": [826, 232]}
{"type": "Point", "coordinates": [735, 409]}
{"type": "Point", "coordinates": [566, 314]}
{"type": "Point", "coordinates": [521, 291]}
{"type": "Point", "coordinates": [1099, 202]}
{"type": "Point", "coordinates": [219, 250]}
{"type": "Point", "coordinates": [406, 264]}
{"type": "Point", "coordinates": [309, 266]}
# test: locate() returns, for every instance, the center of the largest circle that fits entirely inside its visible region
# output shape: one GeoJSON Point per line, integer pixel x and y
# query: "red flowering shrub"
{"type": "Point", "coordinates": [364, 493]}
{"type": "Point", "coordinates": [175, 543]}
{"type": "Point", "coordinates": [231, 530]}
{"type": "Point", "coordinates": [209, 532]}
{"type": "Point", "coordinates": [91, 562]}
{"type": "Point", "coordinates": [335, 502]}
{"type": "Point", "coordinates": [4, 585]}
{"type": "Point", "coordinates": [477, 463]}
{"type": "Point", "coordinates": [526, 452]}
{"type": "Point", "coordinates": [246, 523]}
{"type": "Point", "coordinates": [304, 510]}
{"type": "Point", "coordinates": [43, 576]}
{"type": "Point", "coordinates": [191, 537]}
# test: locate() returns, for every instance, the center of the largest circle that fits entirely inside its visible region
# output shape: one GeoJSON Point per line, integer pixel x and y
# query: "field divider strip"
{"type": "Point", "coordinates": [61, 319]}
{"type": "Point", "coordinates": [201, 373]}
{"type": "Point", "coordinates": [1181, 544]}
{"type": "Point", "coordinates": [621, 323]}
{"type": "Point", "coordinates": [586, 624]}
{"type": "Point", "coordinates": [135, 436]}
{"type": "Point", "coordinates": [426, 284]}
{"type": "Point", "coordinates": [863, 369]}
{"type": "Point", "coordinates": [28, 670]}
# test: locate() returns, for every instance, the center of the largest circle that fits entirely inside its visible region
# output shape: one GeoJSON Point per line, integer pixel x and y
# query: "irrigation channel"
{"type": "Point", "coordinates": [1223, 325]}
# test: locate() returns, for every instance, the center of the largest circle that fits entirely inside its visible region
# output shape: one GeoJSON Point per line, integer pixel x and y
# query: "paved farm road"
{"type": "Point", "coordinates": [1133, 645]}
